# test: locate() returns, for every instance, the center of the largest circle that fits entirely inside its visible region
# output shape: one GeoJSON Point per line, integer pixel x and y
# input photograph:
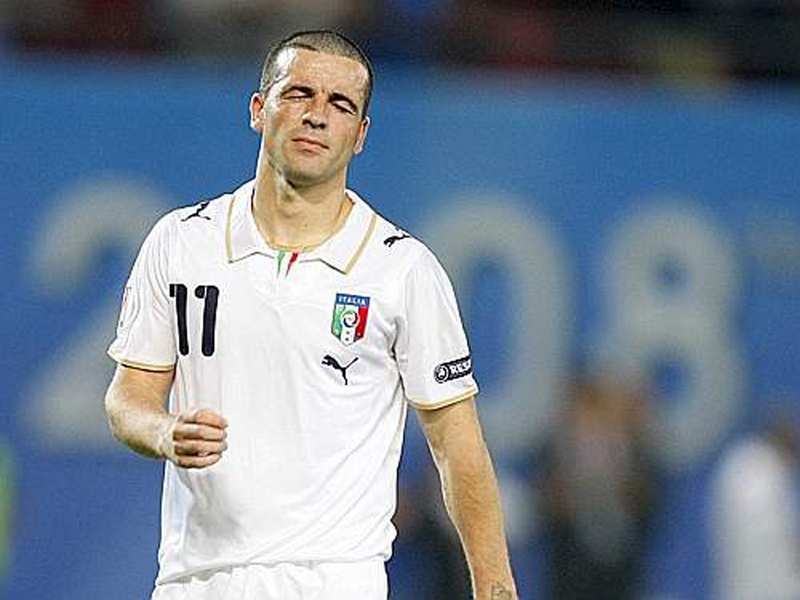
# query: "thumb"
{"type": "Point", "coordinates": [165, 445]}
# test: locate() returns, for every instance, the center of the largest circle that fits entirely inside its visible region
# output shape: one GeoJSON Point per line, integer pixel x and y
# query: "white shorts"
{"type": "Point", "coordinates": [282, 581]}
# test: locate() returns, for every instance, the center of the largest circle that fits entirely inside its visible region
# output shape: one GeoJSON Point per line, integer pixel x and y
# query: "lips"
{"type": "Point", "coordinates": [310, 141]}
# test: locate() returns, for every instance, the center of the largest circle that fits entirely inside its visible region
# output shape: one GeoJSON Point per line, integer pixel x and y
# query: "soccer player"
{"type": "Point", "coordinates": [290, 326]}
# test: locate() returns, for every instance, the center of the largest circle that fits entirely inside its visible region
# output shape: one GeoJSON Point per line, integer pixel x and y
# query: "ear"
{"type": "Point", "coordinates": [362, 135]}
{"type": "Point", "coordinates": [257, 112]}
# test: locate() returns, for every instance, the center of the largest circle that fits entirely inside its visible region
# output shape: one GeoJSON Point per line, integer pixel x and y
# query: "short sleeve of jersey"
{"type": "Point", "coordinates": [144, 332]}
{"type": "Point", "coordinates": [431, 349]}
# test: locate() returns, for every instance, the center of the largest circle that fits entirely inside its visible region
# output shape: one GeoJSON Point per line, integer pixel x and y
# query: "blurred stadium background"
{"type": "Point", "coordinates": [614, 187]}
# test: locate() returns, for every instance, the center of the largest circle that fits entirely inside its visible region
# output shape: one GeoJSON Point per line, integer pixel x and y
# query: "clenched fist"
{"type": "Point", "coordinates": [194, 439]}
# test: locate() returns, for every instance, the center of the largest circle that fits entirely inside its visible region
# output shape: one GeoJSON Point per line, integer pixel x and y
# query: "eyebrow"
{"type": "Point", "coordinates": [334, 97]}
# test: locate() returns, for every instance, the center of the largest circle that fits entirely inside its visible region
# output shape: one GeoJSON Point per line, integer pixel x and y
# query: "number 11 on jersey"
{"type": "Point", "coordinates": [210, 296]}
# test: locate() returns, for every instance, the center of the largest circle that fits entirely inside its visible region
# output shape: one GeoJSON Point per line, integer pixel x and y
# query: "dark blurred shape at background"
{"type": "Point", "coordinates": [427, 545]}
{"type": "Point", "coordinates": [129, 26]}
{"type": "Point", "coordinates": [230, 30]}
{"type": "Point", "coordinates": [599, 491]}
{"type": "Point", "coordinates": [690, 41]}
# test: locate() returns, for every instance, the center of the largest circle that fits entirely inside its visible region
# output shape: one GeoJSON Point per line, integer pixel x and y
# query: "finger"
{"type": "Point", "coordinates": [191, 431]}
{"type": "Point", "coordinates": [209, 417]}
{"type": "Point", "coordinates": [197, 462]}
{"type": "Point", "coordinates": [199, 448]}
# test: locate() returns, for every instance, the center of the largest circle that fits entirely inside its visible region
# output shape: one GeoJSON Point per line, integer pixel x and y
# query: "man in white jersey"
{"type": "Point", "coordinates": [290, 326]}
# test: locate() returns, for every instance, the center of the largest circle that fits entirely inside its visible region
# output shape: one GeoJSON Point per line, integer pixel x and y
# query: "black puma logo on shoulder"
{"type": "Point", "coordinates": [201, 208]}
{"type": "Point", "coordinates": [330, 361]}
{"type": "Point", "coordinates": [389, 241]}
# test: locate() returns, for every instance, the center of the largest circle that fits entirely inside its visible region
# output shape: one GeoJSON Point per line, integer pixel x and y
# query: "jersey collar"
{"type": "Point", "coordinates": [341, 251]}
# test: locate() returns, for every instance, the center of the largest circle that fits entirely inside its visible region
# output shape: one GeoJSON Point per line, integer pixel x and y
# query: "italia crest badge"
{"type": "Point", "coordinates": [350, 318]}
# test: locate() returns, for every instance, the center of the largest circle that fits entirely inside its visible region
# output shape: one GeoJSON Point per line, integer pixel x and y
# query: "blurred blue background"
{"type": "Point", "coordinates": [634, 213]}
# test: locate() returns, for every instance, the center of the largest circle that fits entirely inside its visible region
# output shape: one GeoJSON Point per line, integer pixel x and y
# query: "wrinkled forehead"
{"type": "Point", "coordinates": [321, 69]}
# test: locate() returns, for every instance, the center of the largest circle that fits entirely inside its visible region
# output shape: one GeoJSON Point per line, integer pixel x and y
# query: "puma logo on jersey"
{"type": "Point", "coordinates": [330, 361]}
{"type": "Point", "coordinates": [196, 213]}
{"type": "Point", "coordinates": [389, 241]}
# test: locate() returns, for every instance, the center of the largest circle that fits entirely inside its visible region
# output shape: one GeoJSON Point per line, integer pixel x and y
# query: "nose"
{"type": "Point", "coordinates": [316, 114]}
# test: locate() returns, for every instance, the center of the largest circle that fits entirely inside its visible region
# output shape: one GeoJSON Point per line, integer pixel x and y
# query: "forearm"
{"type": "Point", "coordinates": [135, 410]}
{"type": "Point", "coordinates": [473, 503]}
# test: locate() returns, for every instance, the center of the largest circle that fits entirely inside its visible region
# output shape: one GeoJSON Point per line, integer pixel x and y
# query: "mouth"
{"type": "Point", "coordinates": [310, 142]}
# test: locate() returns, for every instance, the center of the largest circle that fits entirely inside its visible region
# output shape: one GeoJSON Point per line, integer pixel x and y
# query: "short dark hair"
{"type": "Point", "coordinates": [317, 40]}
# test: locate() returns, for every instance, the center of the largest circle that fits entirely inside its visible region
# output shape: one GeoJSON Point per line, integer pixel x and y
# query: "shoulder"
{"type": "Point", "coordinates": [198, 226]}
{"type": "Point", "coordinates": [203, 217]}
{"type": "Point", "coordinates": [398, 248]}
{"type": "Point", "coordinates": [203, 212]}
{"type": "Point", "coordinates": [396, 252]}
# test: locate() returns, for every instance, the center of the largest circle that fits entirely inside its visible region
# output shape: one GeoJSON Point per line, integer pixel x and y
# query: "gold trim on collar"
{"type": "Point", "coordinates": [362, 245]}
{"type": "Point", "coordinates": [228, 251]}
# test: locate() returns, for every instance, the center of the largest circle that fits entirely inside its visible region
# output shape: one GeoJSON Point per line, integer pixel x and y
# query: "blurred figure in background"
{"type": "Point", "coordinates": [694, 42]}
{"type": "Point", "coordinates": [129, 26]}
{"type": "Point", "coordinates": [599, 492]}
{"type": "Point", "coordinates": [754, 512]}
{"type": "Point", "coordinates": [426, 545]}
{"type": "Point", "coordinates": [227, 29]}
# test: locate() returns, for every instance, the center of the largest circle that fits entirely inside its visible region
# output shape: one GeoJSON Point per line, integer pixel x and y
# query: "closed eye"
{"type": "Point", "coordinates": [343, 103]}
{"type": "Point", "coordinates": [296, 92]}
{"type": "Point", "coordinates": [345, 108]}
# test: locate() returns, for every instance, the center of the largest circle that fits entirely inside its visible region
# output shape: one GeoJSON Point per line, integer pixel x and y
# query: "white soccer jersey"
{"type": "Point", "coordinates": [311, 359]}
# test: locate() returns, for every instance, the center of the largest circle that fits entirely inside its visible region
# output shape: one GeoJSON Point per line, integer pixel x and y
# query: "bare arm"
{"type": "Point", "coordinates": [471, 495]}
{"type": "Point", "coordinates": [134, 406]}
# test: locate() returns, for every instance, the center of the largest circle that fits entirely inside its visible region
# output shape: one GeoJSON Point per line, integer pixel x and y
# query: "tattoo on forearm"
{"type": "Point", "coordinates": [500, 592]}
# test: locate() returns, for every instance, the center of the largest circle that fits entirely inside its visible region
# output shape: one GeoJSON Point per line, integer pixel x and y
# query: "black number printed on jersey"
{"type": "Point", "coordinates": [210, 296]}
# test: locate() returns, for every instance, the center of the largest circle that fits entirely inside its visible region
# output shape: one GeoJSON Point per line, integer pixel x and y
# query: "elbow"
{"type": "Point", "coordinates": [112, 409]}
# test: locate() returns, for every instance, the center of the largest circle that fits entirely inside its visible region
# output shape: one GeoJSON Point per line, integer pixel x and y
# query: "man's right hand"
{"type": "Point", "coordinates": [194, 439]}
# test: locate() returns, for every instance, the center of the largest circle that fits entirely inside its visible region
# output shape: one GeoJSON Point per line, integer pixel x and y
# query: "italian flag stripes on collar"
{"type": "Point", "coordinates": [285, 259]}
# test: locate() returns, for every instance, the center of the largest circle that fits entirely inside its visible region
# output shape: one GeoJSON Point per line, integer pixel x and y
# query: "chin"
{"type": "Point", "coordinates": [303, 180]}
{"type": "Point", "coordinates": [308, 176]}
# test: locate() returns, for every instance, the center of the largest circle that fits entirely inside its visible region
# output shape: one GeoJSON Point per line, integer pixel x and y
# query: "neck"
{"type": "Point", "coordinates": [298, 218]}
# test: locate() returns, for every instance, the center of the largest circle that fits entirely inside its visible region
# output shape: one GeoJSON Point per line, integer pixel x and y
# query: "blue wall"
{"type": "Point", "coordinates": [554, 205]}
